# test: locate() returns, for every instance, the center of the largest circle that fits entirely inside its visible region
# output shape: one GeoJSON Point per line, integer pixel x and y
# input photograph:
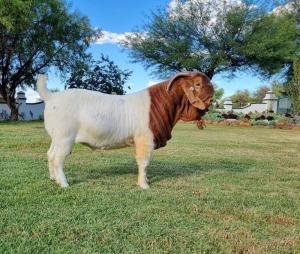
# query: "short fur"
{"type": "Point", "coordinates": [144, 119]}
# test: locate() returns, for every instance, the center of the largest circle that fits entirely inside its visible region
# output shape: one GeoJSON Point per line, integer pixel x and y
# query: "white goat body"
{"type": "Point", "coordinates": [144, 119]}
{"type": "Point", "coordinates": [96, 119]}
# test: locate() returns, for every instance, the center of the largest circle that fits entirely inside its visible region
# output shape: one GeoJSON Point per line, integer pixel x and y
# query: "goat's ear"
{"type": "Point", "coordinates": [192, 97]}
{"type": "Point", "coordinates": [176, 77]}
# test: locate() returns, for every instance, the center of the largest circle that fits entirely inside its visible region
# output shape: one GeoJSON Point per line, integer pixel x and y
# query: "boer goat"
{"type": "Point", "coordinates": [144, 119]}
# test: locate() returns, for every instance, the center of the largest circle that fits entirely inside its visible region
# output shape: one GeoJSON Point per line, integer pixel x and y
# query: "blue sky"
{"type": "Point", "coordinates": [115, 17]}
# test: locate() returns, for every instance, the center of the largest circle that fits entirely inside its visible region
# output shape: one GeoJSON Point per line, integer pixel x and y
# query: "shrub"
{"type": "Point", "coordinates": [214, 116]}
{"type": "Point", "coordinates": [260, 122]}
{"type": "Point", "coordinates": [272, 123]}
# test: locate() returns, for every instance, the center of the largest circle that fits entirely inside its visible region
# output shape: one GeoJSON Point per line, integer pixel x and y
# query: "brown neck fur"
{"type": "Point", "coordinates": [166, 108]}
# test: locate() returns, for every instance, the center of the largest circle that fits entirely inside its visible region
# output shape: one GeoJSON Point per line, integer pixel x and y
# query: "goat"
{"type": "Point", "coordinates": [144, 119]}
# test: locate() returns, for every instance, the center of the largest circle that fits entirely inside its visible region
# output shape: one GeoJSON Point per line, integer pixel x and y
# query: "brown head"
{"type": "Point", "coordinates": [186, 96]}
{"type": "Point", "coordinates": [198, 94]}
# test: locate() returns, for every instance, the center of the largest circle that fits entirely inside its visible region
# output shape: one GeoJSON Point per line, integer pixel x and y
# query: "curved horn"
{"type": "Point", "coordinates": [181, 74]}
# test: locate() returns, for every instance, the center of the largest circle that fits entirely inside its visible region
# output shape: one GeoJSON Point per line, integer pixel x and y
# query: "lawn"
{"type": "Point", "coordinates": [220, 190]}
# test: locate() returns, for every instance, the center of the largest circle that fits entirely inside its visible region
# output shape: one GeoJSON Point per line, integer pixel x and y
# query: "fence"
{"type": "Point", "coordinates": [27, 111]}
{"type": "Point", "coordinates": [284, 104]}
{"type": "Point", "coordinates": [270, 103]}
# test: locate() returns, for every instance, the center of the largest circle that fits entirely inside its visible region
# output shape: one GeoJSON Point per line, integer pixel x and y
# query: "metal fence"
{"type": "Point", "coordinates": [284, 105]}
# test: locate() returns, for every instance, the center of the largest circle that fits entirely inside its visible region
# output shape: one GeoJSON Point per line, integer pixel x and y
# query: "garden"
{"type": "Point", "coordinates": [224, 189]}
{"type": "Point", "coordinates": [268, 120]}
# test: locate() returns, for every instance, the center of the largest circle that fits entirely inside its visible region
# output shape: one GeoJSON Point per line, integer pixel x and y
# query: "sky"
{"type": "Point", "coordinates": [116, 17]}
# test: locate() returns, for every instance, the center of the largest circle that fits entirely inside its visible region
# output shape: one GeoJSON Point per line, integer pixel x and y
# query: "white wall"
{"type": "Point", "coordinates": [27, 111]}
{"type": "Point", "coordinates": [257, 107]}
{"type": "Point", "coordinates": [269, 103]}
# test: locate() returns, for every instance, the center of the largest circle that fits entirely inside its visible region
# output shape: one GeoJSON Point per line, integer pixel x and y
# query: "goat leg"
{"type": "Point", "coordinates": [144, 148]}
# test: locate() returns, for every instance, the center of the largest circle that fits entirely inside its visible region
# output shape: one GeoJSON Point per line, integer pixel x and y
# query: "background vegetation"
{"type": "Point", "coordinates": [36, 36]}
{"type": "Point", "coordinates": [212, 36]}
{"type": "Point", "coordinates": [218, 37]}
{"type": "Point", "coordinates": [221, 190]}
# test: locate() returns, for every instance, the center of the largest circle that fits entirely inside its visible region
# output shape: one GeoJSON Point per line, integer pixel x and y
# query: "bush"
{"type": "Point", "coordinates": [260, 122]}
{"type": "Point", "coordinates": [214, 116]}
{"type": "Point", "coordinates": [272, 123]}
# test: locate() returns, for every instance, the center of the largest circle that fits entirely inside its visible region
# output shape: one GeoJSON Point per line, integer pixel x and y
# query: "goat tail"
{"type": "Point", "coordinates": [42, 89]}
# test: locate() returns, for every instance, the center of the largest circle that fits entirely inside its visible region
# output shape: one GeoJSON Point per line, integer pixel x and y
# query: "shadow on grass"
{"type": "Point", "coordinates": [158, 170]}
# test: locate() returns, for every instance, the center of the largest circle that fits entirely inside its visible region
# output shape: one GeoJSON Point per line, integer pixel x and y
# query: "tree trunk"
{"type": "Point", "coordinates": [14, 114]}
{"type": "Point", "coordinates": [14, 110]}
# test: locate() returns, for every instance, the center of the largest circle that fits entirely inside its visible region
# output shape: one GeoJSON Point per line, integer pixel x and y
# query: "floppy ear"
{"type": "Point", "coordinates": [188, 88]}
{"type": "Point", "coordinates": [193, 99]}
{"type": "Point", "coordinates": [176, 77]}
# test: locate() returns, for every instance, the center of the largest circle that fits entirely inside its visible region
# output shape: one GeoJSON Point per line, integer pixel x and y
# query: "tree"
{"type": "Point", "coordinates": [219, 92]}
{"type": "Point", "coordinates": [104, 76]}
{"type": "Point", "coordinates": [278, 88]}
{"type": "Point", "coordinates": [241, 98]}
{"type": "Point", "coordinates": [213, 37]}
{"type": "Point", "coordinates": [271, 45]}
{"type": "Point", "coordinates": [34, 36]}
{"type": "Point", "coordinates": [260, 93]}
{"type": "Point", "coordinates": [293, 87]}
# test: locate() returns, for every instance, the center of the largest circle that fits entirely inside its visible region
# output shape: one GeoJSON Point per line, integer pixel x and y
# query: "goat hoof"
{"type": "Point", "coordinates": [144, 186]}
{"type": "Point", "coordinates": [64, 185]}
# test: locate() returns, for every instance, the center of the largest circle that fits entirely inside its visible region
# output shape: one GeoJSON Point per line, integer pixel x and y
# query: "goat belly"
{"type": "Point", "coordinates": [106, 144]}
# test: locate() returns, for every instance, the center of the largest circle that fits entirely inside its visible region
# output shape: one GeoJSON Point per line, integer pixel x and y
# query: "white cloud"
{"type": "Point", "coordinates": [287, 8]}
{"type": "Point", "coordinates": [207, 9]}
{"type": "Point", "coordinates": [116, 38]}
{"type": "Point", "coordinates": [32, 96]}
{"type": "Point", "coordinates": [109, 37]}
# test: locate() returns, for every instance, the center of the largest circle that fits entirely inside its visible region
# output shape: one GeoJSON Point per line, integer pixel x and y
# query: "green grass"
{"type": "Point", "coordinates": [221, 190]}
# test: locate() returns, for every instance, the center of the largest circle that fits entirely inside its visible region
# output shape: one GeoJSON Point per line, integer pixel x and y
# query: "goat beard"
{"type": "Point", "coordinates": [201, 124]}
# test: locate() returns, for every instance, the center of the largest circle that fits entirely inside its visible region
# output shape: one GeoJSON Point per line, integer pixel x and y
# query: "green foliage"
{"type": "Point", "coordinates": [215, 37]}
{"type": "Point", "coordinates": [37, 35]}
{"type": "Point", "coordinates": [259, 94]}
{"type": "Point", "coordinates": [260, 122]}
{"type": "Point", "coordinates": [282, 118]}
{"type": "Point", "coordinates": [272, 122]}
{"type": "Point", "coordinates": [41, 118]}
{"type": "Point", "coordinates": [278, 88]}
{"type": "Point", "coordinates": [293, 87]}
{"type": "Point", "coordinates": [241, 98]}
{"type": "Point", "coordinates": [219, 92]}
{"type": "Point", "coordinates": [214, 116]}
{"type": "Point", "coordinates": [221, 190]}
{"type": "Point", "coordinates": [104, 76]}
{"type": "Point", "coordinates": [271, 44]}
